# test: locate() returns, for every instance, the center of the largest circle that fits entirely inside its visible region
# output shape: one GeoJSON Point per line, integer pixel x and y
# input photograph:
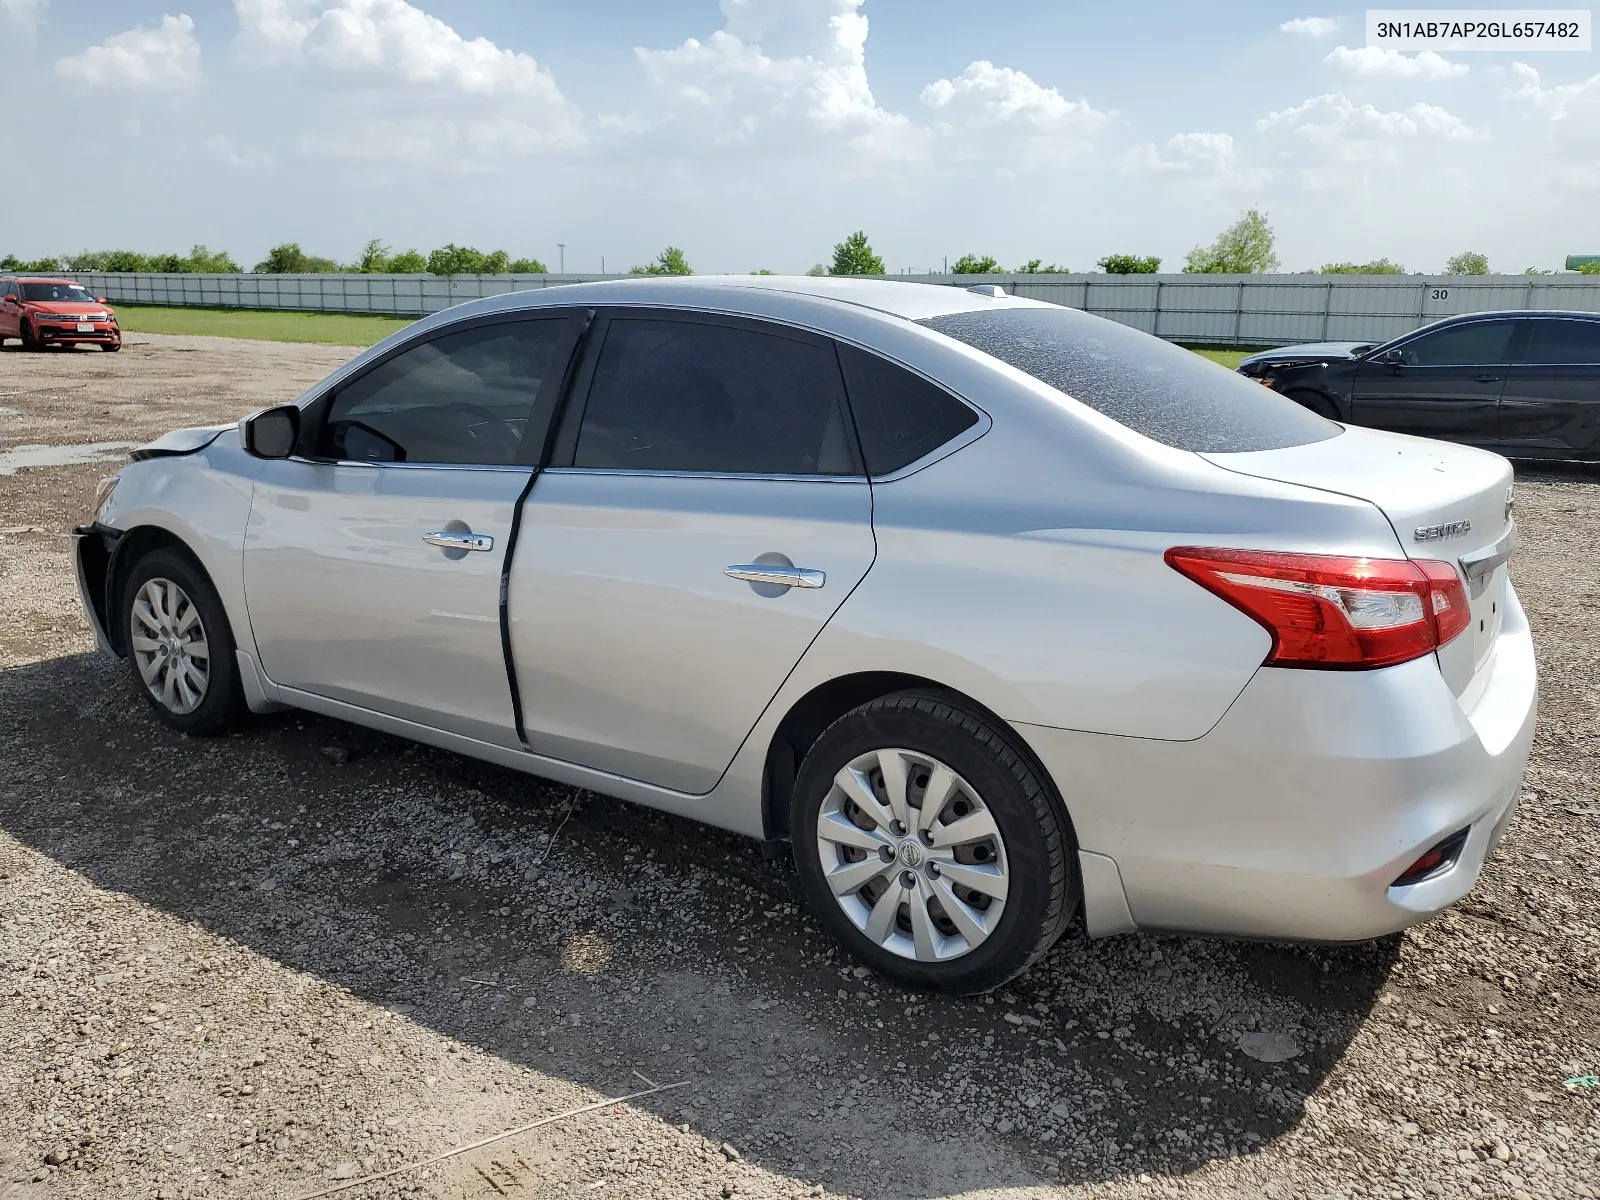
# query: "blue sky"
{"type": "Point", "coordinates": [756, 133]}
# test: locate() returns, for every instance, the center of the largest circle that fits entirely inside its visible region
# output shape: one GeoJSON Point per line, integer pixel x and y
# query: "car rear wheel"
{"type": "Point", "coordinates": [1317, 403]}
{"type": "Point", "coordinates": [179, 644]}
{"type": "Point", "coordinates": [928, 844]}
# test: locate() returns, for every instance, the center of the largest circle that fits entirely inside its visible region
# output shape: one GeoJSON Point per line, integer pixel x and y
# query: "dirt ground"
{"type": "Point", "coordinates": [268, 964]}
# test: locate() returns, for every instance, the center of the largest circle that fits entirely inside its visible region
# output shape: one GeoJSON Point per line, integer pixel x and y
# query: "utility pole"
{"type": "Point", "coordinates": [562, 246]}
{"type": "Point", "coordinates": [602, 264]}
{"type": "Point", "coordinates": [947, 264]}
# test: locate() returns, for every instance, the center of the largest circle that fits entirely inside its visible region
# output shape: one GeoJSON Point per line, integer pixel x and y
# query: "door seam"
{"type": "Point", "coordinates": [568, 376]}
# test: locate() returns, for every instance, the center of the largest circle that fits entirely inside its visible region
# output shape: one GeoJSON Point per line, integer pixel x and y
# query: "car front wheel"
{"type": "Point", "coordinates": [928, 844]}
{"type": "Point", "coordinates": [1317, 403]}
{"type": "Point", "coordinates": [29, 342]}
{"type": "Point", "coordinates": [180, 645]}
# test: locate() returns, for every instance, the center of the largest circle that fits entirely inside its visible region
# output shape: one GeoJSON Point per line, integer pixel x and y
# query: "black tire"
{"type": "Point", "coordinates": [111, 347]}
{"type": "Point", "coordinates": [29, 342]}
{"type": "Point", "coordinates": [1317, 403]}
{"type": "Point", "coordinates": [221, 703]}
{"type": "Point", "coordinates": [1037, 842]}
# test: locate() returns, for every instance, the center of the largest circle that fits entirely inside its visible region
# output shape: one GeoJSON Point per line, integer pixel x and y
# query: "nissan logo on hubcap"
{"type": "Point", "coordinates": [911, 854]}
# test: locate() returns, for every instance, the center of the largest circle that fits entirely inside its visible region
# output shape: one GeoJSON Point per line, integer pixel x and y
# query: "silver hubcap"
{"type": "Point", "coordinates": [913, 855]}
{"type": "Point", "coordinates": [169, 646]}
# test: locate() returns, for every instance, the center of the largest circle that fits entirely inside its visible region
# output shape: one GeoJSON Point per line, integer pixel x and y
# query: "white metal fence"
{"type": "Point", "coordinates": [1237, 310]}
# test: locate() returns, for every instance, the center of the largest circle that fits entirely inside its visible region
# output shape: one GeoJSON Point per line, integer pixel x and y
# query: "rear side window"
{"type": "Point", "coordinates": [1564, 342]}
{"type": "Point", "coordinates": [460, 398]}
{"type": "Point", "coordinates": [1477, 344]}
{"type": "Point", "coordinates": [900, 417]}
{"type": "Point", "coordinates": [1155, 388]}
{"type": "Point", "coordinates": [681, 395]}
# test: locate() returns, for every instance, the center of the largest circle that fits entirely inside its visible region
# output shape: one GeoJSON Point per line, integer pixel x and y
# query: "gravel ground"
{"type": "Point", "coordinates": [262, 965]}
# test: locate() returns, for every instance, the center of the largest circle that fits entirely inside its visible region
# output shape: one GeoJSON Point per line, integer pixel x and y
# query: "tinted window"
{"type": "Point", "coordinates": [1165, 392]}
{"type": "Point", "coordinates": [1564, 342]}
{"type": "Point", "coordinates": [60, 292]}
{"type": "Point", "coordinates": [1481, 343]}
{"type": "Point", "coordinates": [460, 398]}
{"type": "Point", "coordinates": [899, 416]}
{"type": "Point", "coordinates": [684, 396]}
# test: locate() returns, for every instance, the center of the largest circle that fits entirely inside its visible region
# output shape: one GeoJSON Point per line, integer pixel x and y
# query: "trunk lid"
{"type": "Point", "coordinates": [1446, 502]}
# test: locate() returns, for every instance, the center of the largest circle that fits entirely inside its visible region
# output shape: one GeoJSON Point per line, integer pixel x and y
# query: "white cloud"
{"type": "Point", "coordinates": [1207, 161]}
{"type": "Point", "coordinates": [25, 15]}
{"type": "Point", "coordinates": [1310, 26]}
{"type": "Point", "coordinates": [773, 62]}
{"type": "Point", "coordinates": [1183, 152]}
{"type": "Point", "coordinates": [1336, 142]}
{"type": "Point", "coordinates": [163, 58]}
{"type": "Point", "coordinates": [1558, 102]}
{"type": "Point", "coordinates": [784, 75]}
{"type": "Point", "coordinates": [1383, 62]}
{"type": "Point", "coordinates": [447, 97]}
{"type": "Point", "coordinates": [388, 38]}
{"type": "Point", "coordinates": [1335, 118]}
{"type": "Point", "coordinates": [987, 95]}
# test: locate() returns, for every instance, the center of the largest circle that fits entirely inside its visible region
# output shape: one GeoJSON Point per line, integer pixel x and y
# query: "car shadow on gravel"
{"type": "Point", "coordinates": [587, 939]}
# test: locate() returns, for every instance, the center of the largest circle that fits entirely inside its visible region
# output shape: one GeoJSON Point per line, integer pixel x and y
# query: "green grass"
{"type": "Point", "coordinates": [1228, 358]}
{"type": "Point", "coordinates": [342, 329]}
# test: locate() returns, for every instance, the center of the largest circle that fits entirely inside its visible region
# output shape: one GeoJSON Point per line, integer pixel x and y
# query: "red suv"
{"type": "Point", "coordinates": [38, 311]}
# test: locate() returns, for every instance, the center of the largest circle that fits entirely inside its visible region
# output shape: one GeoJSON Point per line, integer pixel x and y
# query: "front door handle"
{"type": "Point", "coordinates": [450, 540]}
{"type": "Point", "coordinates": [801, 577]}
{"type": "Point", "coordinates": [1487, 379]}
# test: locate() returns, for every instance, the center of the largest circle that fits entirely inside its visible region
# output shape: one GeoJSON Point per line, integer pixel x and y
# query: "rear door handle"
{"type": "Point", "coordinates": [450, 540]}
{"type": "Point", "coordinates": [1487, 379]}
{"type": "Point", "coordinates": [801, 577]}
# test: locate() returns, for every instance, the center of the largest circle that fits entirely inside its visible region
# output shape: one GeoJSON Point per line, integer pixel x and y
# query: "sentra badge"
{"type": "Point", "coordinates": [1434, 533]}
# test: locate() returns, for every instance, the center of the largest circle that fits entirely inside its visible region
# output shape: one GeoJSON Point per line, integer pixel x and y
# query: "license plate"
{"type": "Point", "coordinates": [85, 326]}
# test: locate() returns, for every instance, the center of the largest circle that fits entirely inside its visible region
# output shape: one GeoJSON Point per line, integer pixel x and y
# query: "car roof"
{"type": "Point", "coordinates": [912, 301]}
{"type": "Point", "coordinates": [35, 279]}
{"type": "Point", "coordinates": [1573, 314]}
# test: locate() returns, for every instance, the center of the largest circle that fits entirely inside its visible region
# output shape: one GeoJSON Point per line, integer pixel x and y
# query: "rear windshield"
{"type": "Point", "coordinates": [1153, 387]}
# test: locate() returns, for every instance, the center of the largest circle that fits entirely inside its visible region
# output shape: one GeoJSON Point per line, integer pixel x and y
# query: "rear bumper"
{"type": "Point", "coordinates": [1293, 817]}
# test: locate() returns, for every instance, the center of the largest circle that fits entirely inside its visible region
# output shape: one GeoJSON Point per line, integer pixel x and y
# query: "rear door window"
{"type": "Point", "coordinates": [1563, 343]}
{"type": "Point", "coordinates": [675, 394]}
{"type": "Point", "coordinates": [1477, 344]}
{"type": "Point", "coordinates": [900, 417]}
{"type": "Point", "coordinates": [458, 399]}
{"type": "Point", "coordinates": [1153, 387]}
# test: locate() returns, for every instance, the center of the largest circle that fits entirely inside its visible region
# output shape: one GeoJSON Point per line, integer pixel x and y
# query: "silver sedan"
{"type": "Point", "coordinates": [999, 613]}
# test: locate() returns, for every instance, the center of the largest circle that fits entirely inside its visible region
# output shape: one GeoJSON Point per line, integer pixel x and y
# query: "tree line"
{"type": "Point", "coordinates": [1246, 247]}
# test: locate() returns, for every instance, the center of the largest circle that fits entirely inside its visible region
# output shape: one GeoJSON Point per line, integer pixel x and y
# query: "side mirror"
{"type": "Point", "coordinates": [272, 432]}
{"type": "Point", "coordinates": [101, 300]}
{"type": "Point", "coordinates": [1392, 358]}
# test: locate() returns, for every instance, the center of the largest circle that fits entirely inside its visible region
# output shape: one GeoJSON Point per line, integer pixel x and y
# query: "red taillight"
{"type": "Point", "coordinates": [1451, 613]}
{"type": "Point", "coordinates": [1335, 612]}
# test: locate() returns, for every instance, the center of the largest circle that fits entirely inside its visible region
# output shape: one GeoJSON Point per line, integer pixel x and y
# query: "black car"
{"type": "Point", "coordinates": [1526, 384]}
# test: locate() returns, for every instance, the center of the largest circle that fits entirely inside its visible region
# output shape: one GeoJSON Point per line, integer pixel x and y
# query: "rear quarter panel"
{"type": "Point", "coordinates": [1026, 570]}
